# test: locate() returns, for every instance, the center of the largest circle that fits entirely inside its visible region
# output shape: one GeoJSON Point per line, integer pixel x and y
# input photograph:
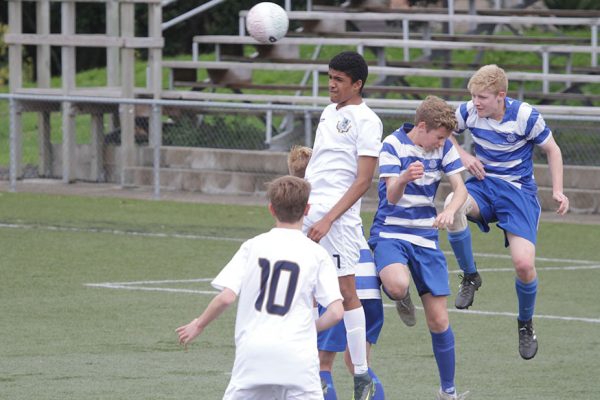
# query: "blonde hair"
{"type": "Point", "coordinates": [288, 196]}
{"type": "Point", "coordinates": [436, 113]}
{"type": "Point", "coordinates": [298, 160]}
{"type": "Point", "coordinates": [489, 77]}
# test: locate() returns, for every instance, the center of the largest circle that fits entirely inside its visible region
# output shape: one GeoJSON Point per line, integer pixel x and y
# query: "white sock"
{"type": "Point", "coordinates": [357, 341]}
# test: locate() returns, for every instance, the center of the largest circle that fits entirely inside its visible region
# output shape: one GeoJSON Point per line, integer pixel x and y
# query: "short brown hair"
{"type": "Point", "coordinates": [436, 113]}
{"type": "Point", "coordinates": [489, 77]}
{"type": "Point", "coordinates": [288, 196]}
{"type": "Point", "coordinates": [298, 160]}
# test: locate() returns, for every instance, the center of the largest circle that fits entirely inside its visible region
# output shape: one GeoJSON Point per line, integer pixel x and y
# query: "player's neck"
{"type": "Point", "coordinates": [352, 101]}
{"type": "Point", "coordinates": [287, 225]}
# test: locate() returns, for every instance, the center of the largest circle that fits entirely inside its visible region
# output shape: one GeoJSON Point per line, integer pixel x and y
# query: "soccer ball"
{"type": "Point", "coordinates": [267, 22]}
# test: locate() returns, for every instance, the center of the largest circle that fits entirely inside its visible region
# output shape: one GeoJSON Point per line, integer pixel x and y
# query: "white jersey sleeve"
{"type": "Point", "coordinates": [233, 274]}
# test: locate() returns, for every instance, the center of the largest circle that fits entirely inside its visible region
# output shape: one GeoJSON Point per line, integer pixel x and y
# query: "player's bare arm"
{"type": "Point", "coordinates": [555, 165]}
{"type": "Point", "coordinates": [218, 304]}
{"type": "Point", "coordinates": [364, 177]}
{"type": "Point", "coordinates": [446, 217]}
{"type": "Point", "coordinates": [397, 184]}
{"type": "Point", "coordinates": [332, 315]}
{"type": "Point", "coordinates": [471, 163]}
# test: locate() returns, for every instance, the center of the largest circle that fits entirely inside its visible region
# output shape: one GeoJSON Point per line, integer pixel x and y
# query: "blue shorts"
{"type": "Point", "coordinates": [428, 267]}
{"type": "Point", "coordinates": [334, 338]}
{"type": "Point", "coordinates": [515, 211]}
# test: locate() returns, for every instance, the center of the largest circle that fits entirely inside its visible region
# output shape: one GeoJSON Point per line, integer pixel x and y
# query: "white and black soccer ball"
{"type": "Point", "coordinates": [267, 22]}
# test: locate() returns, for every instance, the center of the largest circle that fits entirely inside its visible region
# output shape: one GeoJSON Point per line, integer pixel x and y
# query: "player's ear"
{"type": "Point", "coordinates": [271, 209]}
{"type": "Point", "coordinates": [306, 209]}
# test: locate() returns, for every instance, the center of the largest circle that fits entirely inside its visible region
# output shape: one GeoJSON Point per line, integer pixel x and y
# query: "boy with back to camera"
{"type": "Point", "coordinates": [333, 340]}
{"type": "Point", "coordinates": [276, 276]}
{"type": "Point", "coordinates": [404, 234]}
{"type": "Point", "coordinates": [503, 189]}
{"type": "Point", "coordinates": [340, 171]}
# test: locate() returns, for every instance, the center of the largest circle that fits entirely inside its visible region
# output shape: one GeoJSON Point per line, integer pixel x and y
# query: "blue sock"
{"type": "Point", "coordinates": [443, 350]}
{"type": "Point", "coordinates": [463, 250]}
{"type": "Point", "coordinates": [326, 376]}
{"type": "Point", "coordinates": [526, 293]}
{"type": "Point", "coordinates": [379, 394]}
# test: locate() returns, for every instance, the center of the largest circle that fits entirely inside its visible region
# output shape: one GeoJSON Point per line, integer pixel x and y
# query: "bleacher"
{"type": "Point", "coordinates": [405, 45]}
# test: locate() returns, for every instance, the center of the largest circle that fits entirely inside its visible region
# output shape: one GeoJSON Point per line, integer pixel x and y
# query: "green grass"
{"type": "Point", "coordinates": [61, 339]}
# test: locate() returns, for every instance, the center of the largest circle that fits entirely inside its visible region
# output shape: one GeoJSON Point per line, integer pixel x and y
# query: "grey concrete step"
{"type": "Point", "coordinates": [221, 171]}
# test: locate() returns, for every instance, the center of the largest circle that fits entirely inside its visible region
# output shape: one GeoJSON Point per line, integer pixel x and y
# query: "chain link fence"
{"type": "Point", "coordinates": [250, 129]}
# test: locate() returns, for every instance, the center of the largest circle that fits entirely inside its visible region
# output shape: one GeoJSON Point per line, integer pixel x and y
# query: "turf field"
{"type": "Point", "coordinates": [92, 290]}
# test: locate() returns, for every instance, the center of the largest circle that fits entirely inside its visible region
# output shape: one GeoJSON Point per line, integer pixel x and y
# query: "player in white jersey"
{"type": "Point", "coordinates": [276, 276]}
{"type": "Point", "coordinates": [503, 189]}
{"type": "Point", "coordinates": [404, 235]}
{"type": "Point", "coordinates": [340, 171]}
{"type": "Point", "coordinates": [333, 340]}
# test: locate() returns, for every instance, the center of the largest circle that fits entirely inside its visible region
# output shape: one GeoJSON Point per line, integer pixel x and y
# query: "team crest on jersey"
{"type": "Point", "coordinates": [344, 125]}
{"type": "Point", "coordinates": [511, 138]}
{"type": "Point", "coordinates": [431, 165]}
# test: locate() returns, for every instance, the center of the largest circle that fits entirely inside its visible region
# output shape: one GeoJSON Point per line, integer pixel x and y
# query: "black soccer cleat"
{"type": "Point", "coordinates": [364, 387]}
{"type": "Point", "coordinates": [466, 291]}
{"type": "Point", "coordinates": [528, 345]}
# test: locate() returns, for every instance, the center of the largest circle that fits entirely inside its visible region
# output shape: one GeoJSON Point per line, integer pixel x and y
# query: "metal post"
{"type": "Point", "coordinates": [450, 15]}
{"type": "Point", "coordinates": [269, 126]}
{"type": "Point", "coordinates": [156, 138]}
{"type": "Point", "coordinates": [307, 129]}
{"type": "Point", "coordinates": [405, 37]}
{"type": "Point", "coordinates": [545, 70]}
{"type": "Point", "coordinates": [14, 111]}
{"type": "Point", "coordinates": [594, 45]}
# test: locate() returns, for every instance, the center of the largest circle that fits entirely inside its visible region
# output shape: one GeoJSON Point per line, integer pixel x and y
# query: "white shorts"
{"type": "Point", "coordinates": [271, 392]}
{"type": "Point", "coordinates": [343, 241]}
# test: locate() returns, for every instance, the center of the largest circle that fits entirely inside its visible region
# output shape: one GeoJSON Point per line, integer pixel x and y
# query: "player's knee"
{"type": "Point", "coordinates": [438, 323]}
{"type": "Point", "coordinates": [524, 268]}
{"type": "Point", "coordinates": [396, 290]}
{"type": "Point", "coordinates": [460, 217]}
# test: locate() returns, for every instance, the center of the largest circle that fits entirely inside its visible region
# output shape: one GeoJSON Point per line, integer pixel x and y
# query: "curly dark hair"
{"type": "Point", "coordinates": [351, 63]}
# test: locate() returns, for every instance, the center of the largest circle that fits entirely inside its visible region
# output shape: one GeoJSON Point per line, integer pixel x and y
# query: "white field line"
{"type": "Point", "coordinates": [513, 315]}
{"type": "Point", "coordinates": [230, 239]}
{"type": "Point", "coordinates": [139, 285]}
{"type": "Point", "coordinates": [119, 232]}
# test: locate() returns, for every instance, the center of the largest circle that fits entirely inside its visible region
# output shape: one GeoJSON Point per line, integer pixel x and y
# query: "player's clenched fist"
{"type": "Point", "coordinates": [415, 171]}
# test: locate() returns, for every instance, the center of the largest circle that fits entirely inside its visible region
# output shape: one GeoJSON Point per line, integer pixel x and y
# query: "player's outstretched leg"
{"type": "Point", "coordinates": [459, 236]}
{"type": "Point", "coordinates": [526, 294]}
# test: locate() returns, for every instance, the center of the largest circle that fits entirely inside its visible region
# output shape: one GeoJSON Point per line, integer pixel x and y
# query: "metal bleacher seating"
{"type": "Point", "coordinates": [414, 48]}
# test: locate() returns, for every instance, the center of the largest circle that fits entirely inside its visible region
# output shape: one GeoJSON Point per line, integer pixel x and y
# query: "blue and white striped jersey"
{"type": "Point", "coordinates": [506, 148]}
{"type": "Point", "coordinates": [411, 219]}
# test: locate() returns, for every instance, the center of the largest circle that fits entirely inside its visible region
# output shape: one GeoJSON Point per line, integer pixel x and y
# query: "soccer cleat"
{"type": "Point", "coordinates": [466, 291]}
{"type": "Point", "coordinates": [528, 344]}
{"type": "Point", "coordinates": [364, 387]}
{"type": "Point", "coordinates": [454, 396]}
{"type": "Point", "coordinates": [406, 310]}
